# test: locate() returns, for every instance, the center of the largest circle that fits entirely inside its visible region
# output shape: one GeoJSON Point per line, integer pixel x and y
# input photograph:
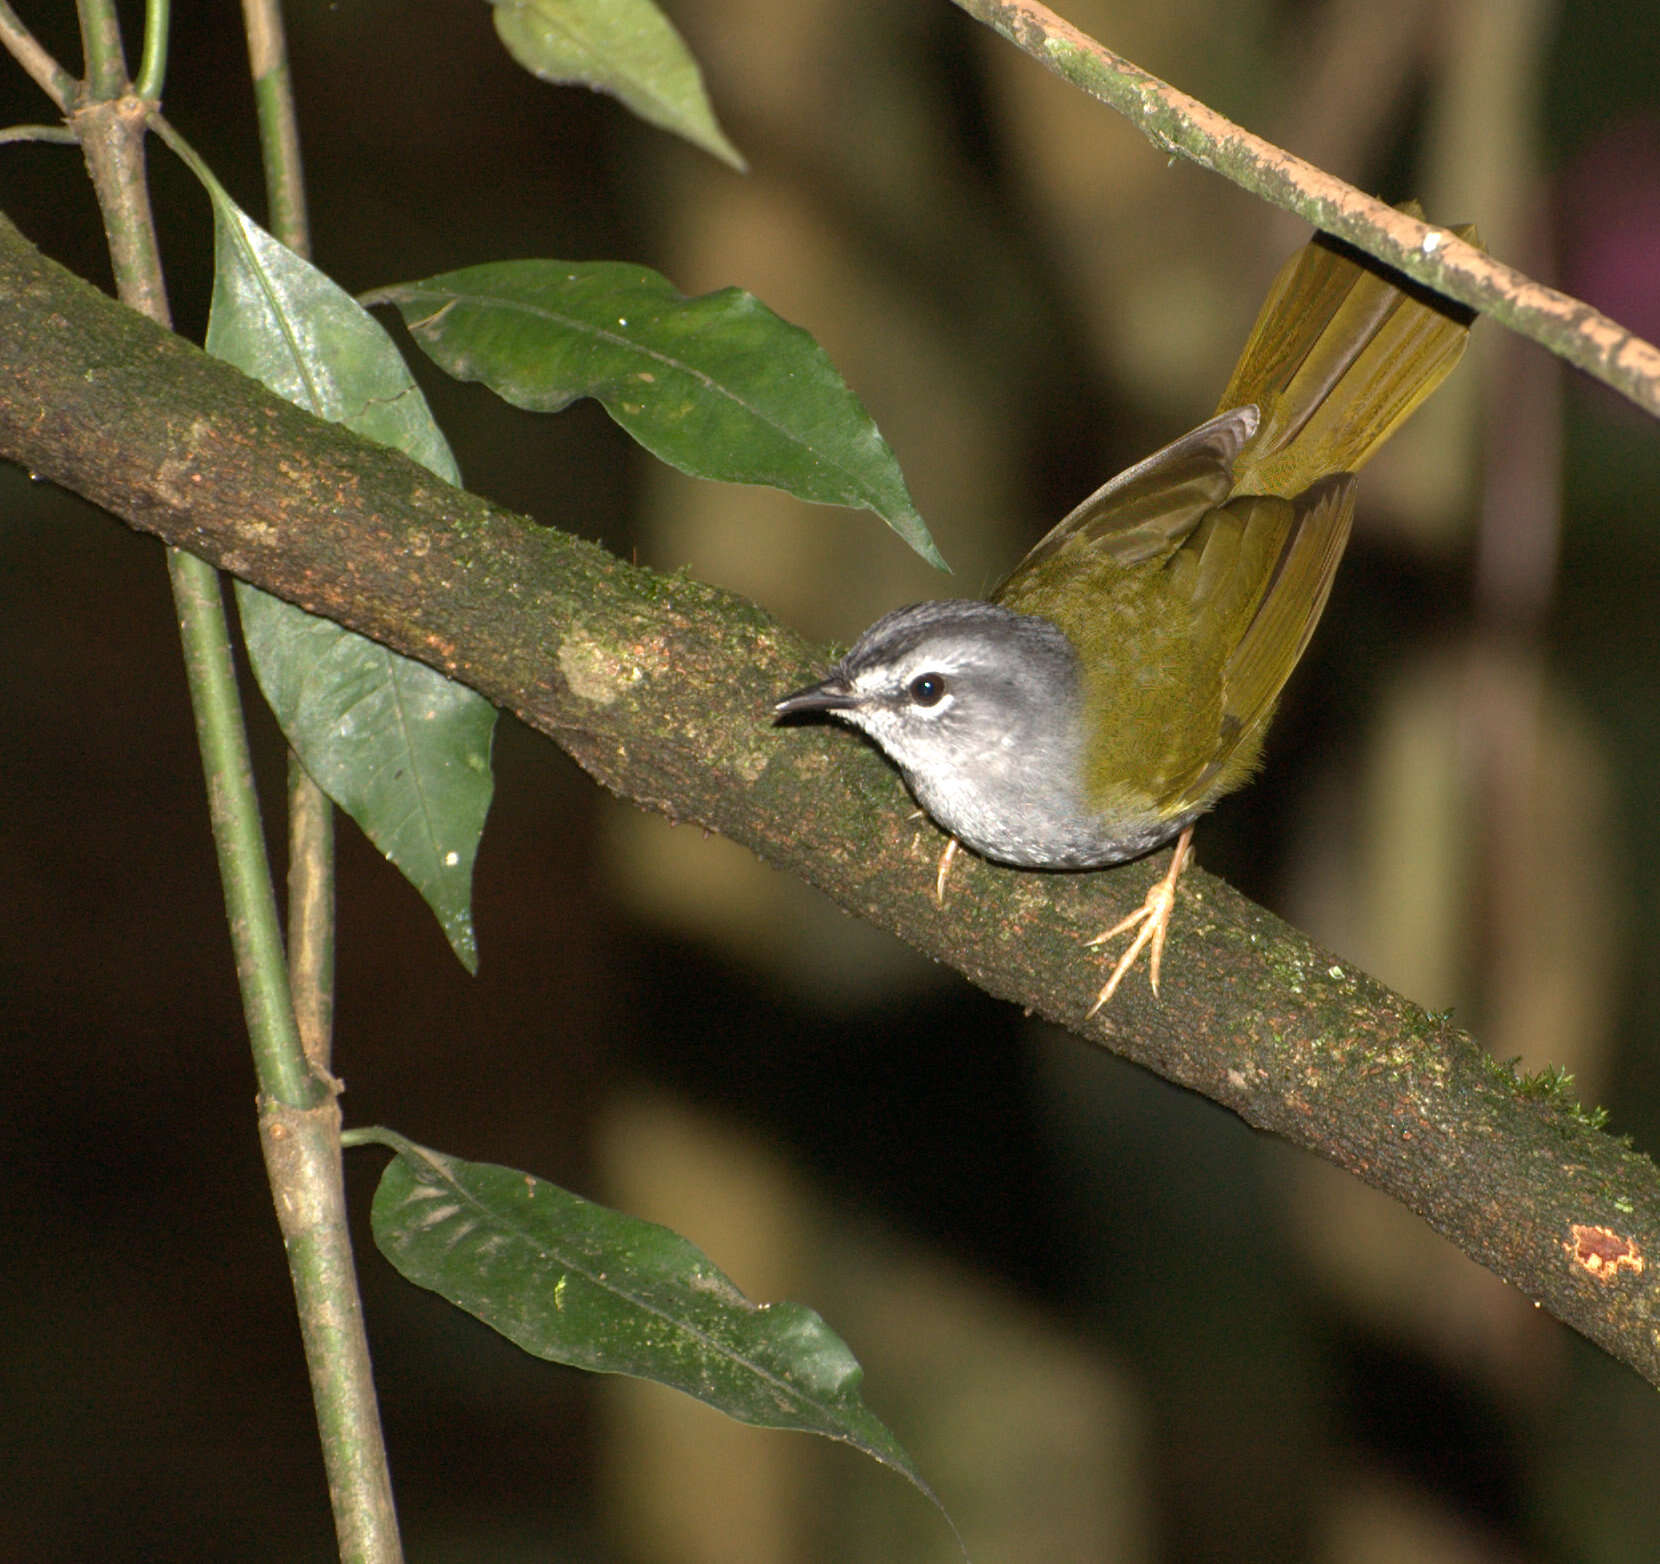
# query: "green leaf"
{"type": "Point", "coordinates": [577, 1283]}
{"type": "Point", "coordinates": [717, 386]}
{"type": "Point", "coordinates": [627, 48]}
{"type": "Point", "coordinates": [402, 749]}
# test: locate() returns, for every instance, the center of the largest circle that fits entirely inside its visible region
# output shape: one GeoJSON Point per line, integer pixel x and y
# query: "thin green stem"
{"type": "Point", "coordinates": [311, 899]}
{"type": "Point", "coordinates": [152, 67]}
{"type": "Point", "coordinates": [57, 133]}
{"type": "Point", "coordinates": [303, 1150]}
{"type": "Point", "coordinates": [311, 912]}
{"type": "Point", "coordinates": [279, 126]}
{"type": "Point", "coordinates": [238, 834]}
{"type": "Point", "coordinates": [303, 1163]}
{"type": "Point", "coordinates": [106, 61]}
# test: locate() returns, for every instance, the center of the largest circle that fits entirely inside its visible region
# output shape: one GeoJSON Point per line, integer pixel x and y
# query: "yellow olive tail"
{"type": "Point", "coordinates": [1343, 349]}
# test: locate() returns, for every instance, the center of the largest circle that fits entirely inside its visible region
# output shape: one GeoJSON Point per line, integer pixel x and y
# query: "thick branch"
{"type": "Point", "coordinates": [660, 687]}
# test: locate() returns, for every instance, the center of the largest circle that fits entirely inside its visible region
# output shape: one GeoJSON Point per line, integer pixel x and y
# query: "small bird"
{"type": "Point", "coordinates": [1122, 678]}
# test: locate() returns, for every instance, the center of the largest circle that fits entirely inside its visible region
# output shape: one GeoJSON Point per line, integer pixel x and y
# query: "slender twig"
{"type": "Point", "coordinates": [311, 912]}
{"type": "Point", "coordinates": [106, 61]}
{"type": "Point", "coordinates": [343, 1388]}
{"type": "Point", "coordinates": [152, 67]}
{"type": "Point", "coordinates": [279, 125]}
{"type": "Point", "coordinates": [52, 79]}
{"type": "Point", "coordinates": [58, 133]}
{"type": "Point", "coordinates": [1182, 126]}
{"type": "Point", "coordinates": [311, 900]}
{"type": "Point", "coordinates": [303, 1150]}
{"type": "Point", "coordinates": [237, 834]}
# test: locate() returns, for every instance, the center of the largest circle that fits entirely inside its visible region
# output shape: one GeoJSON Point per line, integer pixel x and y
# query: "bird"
{"type": "Point", "coordinates": [1121, 680]}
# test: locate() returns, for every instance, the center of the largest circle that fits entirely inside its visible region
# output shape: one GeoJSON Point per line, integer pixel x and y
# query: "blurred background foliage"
{"type": "Point", "coordinates": [1108, 1321]}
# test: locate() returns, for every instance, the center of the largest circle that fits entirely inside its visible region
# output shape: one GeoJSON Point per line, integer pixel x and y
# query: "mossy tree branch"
{"type": "Point", "coordinates": [661, 686]}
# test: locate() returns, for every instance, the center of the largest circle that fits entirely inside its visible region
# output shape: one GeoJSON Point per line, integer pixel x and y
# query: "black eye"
{"type": "Point", "coordinates": [928, 689]}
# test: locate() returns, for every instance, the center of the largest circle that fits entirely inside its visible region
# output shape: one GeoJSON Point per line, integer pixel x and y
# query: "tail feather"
{"type": "Point", "coordinates": [1343, 349]}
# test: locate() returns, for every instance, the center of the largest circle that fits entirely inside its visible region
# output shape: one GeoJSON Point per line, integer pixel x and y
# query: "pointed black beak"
{"type": "Point", "coordinates": [830, 694]}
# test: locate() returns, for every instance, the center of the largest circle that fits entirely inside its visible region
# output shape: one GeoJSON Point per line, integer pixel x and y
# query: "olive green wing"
{"type": "Point", "coordinates": [1145, 512]}
{"type": "Point", "coordinates": [1307, 536]}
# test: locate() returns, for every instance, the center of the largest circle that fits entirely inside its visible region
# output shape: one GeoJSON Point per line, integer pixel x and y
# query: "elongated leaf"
{"type": "Point", "coordinates": [403, 750]}
{"type": "Point", "coordinates": [577, 1283]}
{"type": "Point", "coordinates": [717, 386]}
{"type": "Point", "coordinates": [627, 48]}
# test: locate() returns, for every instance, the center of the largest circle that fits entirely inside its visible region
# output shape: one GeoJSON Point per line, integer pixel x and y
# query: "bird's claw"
{"type": "Point", "coordinates": [1153, 916]}
{"type": "Point", "coordinates": [944, 871]}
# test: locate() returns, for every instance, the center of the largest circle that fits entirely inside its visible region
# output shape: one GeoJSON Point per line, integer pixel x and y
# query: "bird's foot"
{"type": "Point", "coordinates": [1153, 916]}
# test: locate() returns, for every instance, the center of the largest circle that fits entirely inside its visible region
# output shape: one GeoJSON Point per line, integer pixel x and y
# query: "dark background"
{"type": "Point", "coordinates": [1106, 1319]}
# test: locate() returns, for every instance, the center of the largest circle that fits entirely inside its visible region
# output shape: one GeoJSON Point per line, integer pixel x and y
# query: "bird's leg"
{"type": "Point", "coordinates": [946, 856]}
{"type": "Point", "coordinates": [1154, 917]}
